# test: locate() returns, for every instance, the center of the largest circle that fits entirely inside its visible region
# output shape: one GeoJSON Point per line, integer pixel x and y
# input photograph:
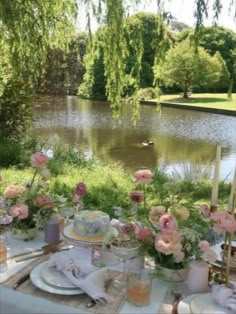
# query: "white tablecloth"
{"type": "Point", "coordinates": [16, 302]}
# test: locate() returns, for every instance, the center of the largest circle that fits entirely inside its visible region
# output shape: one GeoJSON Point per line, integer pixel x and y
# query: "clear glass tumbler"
{"type": "Point", "coordinates": [3, 253]}
{"type": "Point", "coordinates": [139, 287]}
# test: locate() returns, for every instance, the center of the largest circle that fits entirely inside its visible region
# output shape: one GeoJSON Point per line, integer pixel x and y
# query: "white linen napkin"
{"type": "Point", "coordinates": [76, 265]}
{"type": "Point", "coordinates": [225, 297]}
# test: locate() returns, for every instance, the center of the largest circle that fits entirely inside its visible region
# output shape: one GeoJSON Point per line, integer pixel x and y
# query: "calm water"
{"type": "Point", "coordinates": [182, 138]}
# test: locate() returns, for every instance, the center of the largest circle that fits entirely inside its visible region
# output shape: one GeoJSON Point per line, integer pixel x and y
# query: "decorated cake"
{"type": "Point", "coordinates": [90, 225]}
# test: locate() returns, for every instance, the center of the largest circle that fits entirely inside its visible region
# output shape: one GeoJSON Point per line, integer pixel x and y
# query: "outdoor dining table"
{"type": "Point", "coordinates": [16, 301]}
{"type": "Point", "coordinates": [25, 301]}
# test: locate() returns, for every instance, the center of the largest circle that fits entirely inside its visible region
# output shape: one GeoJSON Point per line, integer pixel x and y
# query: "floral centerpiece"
{"type": "Point", "coordinates": [29, 204]}
{"type": "Point", "coordinates": [172, 236]}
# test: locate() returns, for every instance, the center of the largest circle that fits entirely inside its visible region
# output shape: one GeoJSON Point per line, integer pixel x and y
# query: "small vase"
{"type": "Point", "coordinates": [3, 253]}
{"type": "Point", "coordinates": [173, 275]}
{"type": "Point", "coordinates": [24, 234]}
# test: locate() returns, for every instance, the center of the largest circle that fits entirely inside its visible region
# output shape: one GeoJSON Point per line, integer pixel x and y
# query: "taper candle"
{"type": "Point", "coordinates": [215, 184]}
{"type": "Point", "coordinates": [232, 194]}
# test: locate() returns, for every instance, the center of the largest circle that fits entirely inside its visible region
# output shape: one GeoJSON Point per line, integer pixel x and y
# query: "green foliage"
{"type": "Point", "coordinates": [15, 110]}
{"type": "Point", "coordinates": [27, 30]}
{"type": "Point", "coordinates": [186, 68]}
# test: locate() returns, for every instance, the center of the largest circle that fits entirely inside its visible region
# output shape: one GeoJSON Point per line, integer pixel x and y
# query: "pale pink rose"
{"type": "Point", "coordinates": [168, 243]}
{"type": "Point", "coordinates": [205, 210]}
{"type": "Point", "coordinates": [179, 211]}
{"type": "Point", "coordinates": [21, 211]}
{"type": "Point", "coordinates": [44, 201]}
{"type": "Point", "coordinates": [179, 256]}
{"type": "Point", "coordinates": [143, 176]}
{"type": "Point", "coordinates": [80, 189]}
{"type": "Point", "coordinates": [136, 197]}
{"type": "Point", "coordinates": [39, 160]}
{"type": "Point", "coordinates": [14, 191]}
{"type": "Point", "coordinates": [156, 212]}
{"type": "Point", "coordinates": [224, 222]}
{"type": "Point", "coordinates": [45, 173]}
{"type": "Point", "coordinates": [204, 246]}
{"type": "Point", "coordinates": [210, 255]}
{"type": "Point", "coordinates": [168, 223]}
{"type": "Point", "coordinates": [144, 234]}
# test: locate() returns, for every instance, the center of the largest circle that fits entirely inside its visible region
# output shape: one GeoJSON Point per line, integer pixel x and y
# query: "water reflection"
{"type": "Point", "coordinates": [179, 136]}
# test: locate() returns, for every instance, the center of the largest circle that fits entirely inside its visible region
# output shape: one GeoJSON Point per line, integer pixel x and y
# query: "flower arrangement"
{"type": "Point", "coordinates": [28, 205]}
{"type": "Point", "coordinates": [171, 236]}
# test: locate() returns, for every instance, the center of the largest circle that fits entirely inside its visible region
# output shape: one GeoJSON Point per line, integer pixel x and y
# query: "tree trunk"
{"type": "Point", "coordinates": [230, 89]}
{"type": "Point", "coordinates": [185, 92]}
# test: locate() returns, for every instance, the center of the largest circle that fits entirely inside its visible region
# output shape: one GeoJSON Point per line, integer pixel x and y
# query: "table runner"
{"type": "Point", "coordinates": [77, 301]}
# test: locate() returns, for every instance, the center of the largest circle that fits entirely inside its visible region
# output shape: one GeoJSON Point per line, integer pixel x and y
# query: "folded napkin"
{"type": "Point", "coordinates": [225, 297]}
{"type": "Point", "coordinates": [77, 267]}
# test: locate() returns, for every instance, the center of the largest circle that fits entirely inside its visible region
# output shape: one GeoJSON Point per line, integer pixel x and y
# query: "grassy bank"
{"type": "Point", "coordinates": [109, 186]}
{"type": "Point", "coordinates": [215, 101]}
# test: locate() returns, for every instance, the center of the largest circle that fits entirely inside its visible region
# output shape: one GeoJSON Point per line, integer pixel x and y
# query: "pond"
{"type": "Point", "coordinates": [183, 140]}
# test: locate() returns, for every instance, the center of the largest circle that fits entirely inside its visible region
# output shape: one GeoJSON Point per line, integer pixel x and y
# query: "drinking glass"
{"type": "Point", "coordinates": [67, 212]}
{"type": "Point", "coordinates": [3, 253]}
{"type": "Point", "coordinates": [124, 250]}
{"type": "Point", "coordinates": [139, 286]}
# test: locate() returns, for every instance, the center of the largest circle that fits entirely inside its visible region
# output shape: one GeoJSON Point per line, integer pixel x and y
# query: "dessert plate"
{"type": "Point", "coordinates": [72, 236]}
{"type": "Point", "coordinates": [55, 278]}
{"type": "Point", "coordinates": [184, 305]}
{"type": "Point", "coordinates": [204, 304]}
{"type": "Point", "coordinates": [37, 280]}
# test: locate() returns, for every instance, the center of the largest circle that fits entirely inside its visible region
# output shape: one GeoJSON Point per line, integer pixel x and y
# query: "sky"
{"type": "Point", "coordinates": [182, 10]}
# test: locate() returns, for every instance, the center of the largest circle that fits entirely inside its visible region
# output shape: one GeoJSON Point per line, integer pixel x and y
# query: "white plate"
{"type": "Point", "coordinates": [37, 280]}
{"type": "Point", "coordinates": [55, 278]}
{"type": "Point", "coordinates": [184, 305]}
{"type": "Point", "coordinates": [204, 304]}
{"type": "Point", "coordinates": [70, 235]}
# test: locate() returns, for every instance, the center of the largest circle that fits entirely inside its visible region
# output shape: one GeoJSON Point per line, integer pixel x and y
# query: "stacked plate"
{"type": "Point", "coordinates": [201, 304]}
{"type": "Point", "coordinates": [72, 238]}
{"type": "Point", "coordinates": [51, 280]}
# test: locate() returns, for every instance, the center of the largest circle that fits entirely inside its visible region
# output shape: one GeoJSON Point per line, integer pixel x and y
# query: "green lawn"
{"type": "Point", "coordinates": [218, 101]}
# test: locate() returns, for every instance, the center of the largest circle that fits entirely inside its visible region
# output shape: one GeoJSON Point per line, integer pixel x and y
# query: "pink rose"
{"type": "Point", "coordinates": [224, 222]}
{"type": "Point", "coordinates": [80, 189]}
{"type": "Point", "coordinates": [136, 197]}
{"type": "Point", "coordinates": [143, 176]}
{"type": "Point", "coordinates": [168, 243]}
{"type": "Point", "coordinates": [43, 201]}
{"type": "Point", "coordinates": [21, 211]}
{"type": "Point", "coordinates": [204, 246]}
{"type": "Point", "coordinates": [145, 235]}
{"type": "Point", "coordinates": [38, 160]}
{"type": "Point", "coordinates": [210, 255]}
{"type": "Point", "coordinates": [205, 210]}
{"type": "Point", "coordinates": [127, 229]}
{"type": "Point", "coordinates": [14, 191]}
{"type": "Point", "coordinates": [179, 256]}
{"type": "Point", "coordinates": [168, 223]}
{"type": "Point", "coordinates": [156, 212]}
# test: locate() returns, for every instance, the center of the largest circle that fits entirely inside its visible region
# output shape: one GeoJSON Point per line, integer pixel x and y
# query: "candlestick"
{"type": "Point", "coordinates": [214, 194]}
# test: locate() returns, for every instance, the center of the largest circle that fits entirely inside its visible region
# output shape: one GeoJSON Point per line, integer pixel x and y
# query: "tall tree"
{"type": "Point", "coordinates": [185, 68]}
{"type": "Point", "coordinates": [27, 29]}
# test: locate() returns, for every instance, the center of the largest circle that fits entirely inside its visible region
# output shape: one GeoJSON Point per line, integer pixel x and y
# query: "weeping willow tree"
{"type": "Point", "coordinates": [27, 29]}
